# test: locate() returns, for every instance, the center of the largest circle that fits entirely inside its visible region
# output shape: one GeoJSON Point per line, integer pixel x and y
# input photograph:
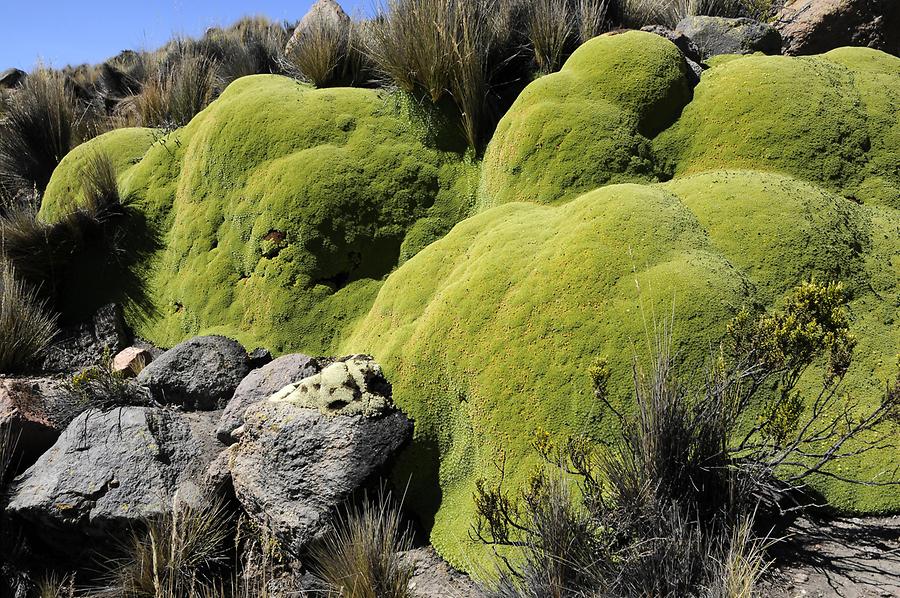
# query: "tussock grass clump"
{"type": "Point", "coordinates": [90, 240]}
{"type": "Point", "coordinates": [182, 84]}
{"type": "Point", "coordinates": [27, 327]}
{"type": "Point", "coordinates": [555, 28]}
{"type": "Point", "coordinates": [39, 127]}
{"type": "Point", "coordinates": [182, 553]}
{"type": "Point", "coordinates": [444, 53]}
{"type": "Point", "coordinates": [319, 56]}
{"type": "Point", "coordinates": [637, 13]}
{"type": "Point", "coordinates": [100, 387]}
{"type": "Point", "coordinates": [474, 57]}
{"type": "Point", "coordinates": [359, 557]}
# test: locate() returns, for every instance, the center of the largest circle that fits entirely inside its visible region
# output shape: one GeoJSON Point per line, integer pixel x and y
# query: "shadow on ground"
{"type": "Point", "coordinates": [849, 558]}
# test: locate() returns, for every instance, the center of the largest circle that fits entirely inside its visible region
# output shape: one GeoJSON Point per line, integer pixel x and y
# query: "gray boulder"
{"type": "Point", "coordinates": [110, 471]}
{"type": "Point", "coordinates": [720, 35]}
{"type": "Point", "coordinates": [260, 384]}
{"type": "Point", "coordinates": [200, 373]}
{"type": "Point", "coordinates": [87, 344]}
{"type": "Point", "coordinates": [295, 463]}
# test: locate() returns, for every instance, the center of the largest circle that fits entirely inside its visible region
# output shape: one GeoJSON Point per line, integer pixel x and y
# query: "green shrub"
{"type": "Point", "coordinates": [359, 556]}
{"type": "Point", "coordinates": [367, 173]}
{"type": "Point", "coordinates": [563, 278]}
{"type": "Point", "coordinates": [589, 124]}
{"type": "Point", "coordinates": [829, 119]}
{"type": "Point", "coordinates": [26, 326]}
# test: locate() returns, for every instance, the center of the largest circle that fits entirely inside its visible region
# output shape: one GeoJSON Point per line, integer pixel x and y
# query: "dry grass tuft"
{"type": "Point", "coordinates": [359, 558]}
{"type": "Point", "coordinates": [27, 327]}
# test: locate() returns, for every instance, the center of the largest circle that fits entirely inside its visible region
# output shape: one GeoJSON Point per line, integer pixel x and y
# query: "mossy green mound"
{"type": "Point", "coordinates": [589, 124]}
{"type": "Point", "coordinates": [280, 208]}
{"type": "Point", "coordinates": [488, 333]}
{"type": "Point", "coordinates": [832, 119]}
{"type": "Point", "coordinates": [124, 147]}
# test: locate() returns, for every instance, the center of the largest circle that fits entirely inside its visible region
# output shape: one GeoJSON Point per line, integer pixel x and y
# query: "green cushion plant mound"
{"type": "Point", "coordinates": [280, 208]}
{"type": "Point", "coordinates": [489, 333]}
{"type": "Point", "coordinates": [281, 214]}
{"type": "Point", "coordinates": [831, 119]}
{"type": "Point", "coordinates": [125, 147]}
{"type": "Point", "coordinates": [589, 124]}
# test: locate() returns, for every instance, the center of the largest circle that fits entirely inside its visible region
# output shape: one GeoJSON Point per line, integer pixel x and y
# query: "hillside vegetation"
{"type": "Point", "coordinates": [329, 220]}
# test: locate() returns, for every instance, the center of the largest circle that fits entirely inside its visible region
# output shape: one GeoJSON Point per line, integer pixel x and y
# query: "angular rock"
{"type": "Point", "coordinates": [720, 35]}
{"type": "Point", "coordinates": [108, 472]}
{"type": "Point", "coordinates": [681, 41]}
{"type": "Point", "coordinates": [259, 357]}
{"type": "Point", "coordinates": [324, 13]}
{"type": "Point", "coordinates": [817, 26]}
{"type": "Point", "coordinates": [89, 343]}
{"type": "Point", "coordinates": [200, 373]}
{"type": "Point", "coordinates": [25, 421]}
{"type": "Point", "coordinates": [131, 361]}
{"type": "Point", "coordinates": [12, 78]}
{"type": "Point", "coordinates": [432, 576]}
{"type": "Point", "coordinates": [261, 384]}
{"type": "Point", "coordinates": [294, 464]}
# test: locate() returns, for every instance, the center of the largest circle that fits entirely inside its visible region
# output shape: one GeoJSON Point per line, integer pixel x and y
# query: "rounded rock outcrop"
{"type": "Point", "coordinates": [297, 461]}
{"type": "Point", "coordinates": [200, 373]}
{"type": "Point", "coordinates": [260, 384]}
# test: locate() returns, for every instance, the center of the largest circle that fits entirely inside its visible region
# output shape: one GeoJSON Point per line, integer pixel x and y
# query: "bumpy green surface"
{"type": "Point", "coordinates": [488, 333]}
{"type": "Point", "coordinates": [831, 119]}
{"type": "Point", "coordinates": [280, 208]}
{"type": "Point", "coordinates": [125, 147]}
{"type": "Point", "coordinates": [589, 124]}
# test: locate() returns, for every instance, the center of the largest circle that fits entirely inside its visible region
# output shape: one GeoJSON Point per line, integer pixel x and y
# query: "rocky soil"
{"type": "Point", "coordinates": [850, 558]}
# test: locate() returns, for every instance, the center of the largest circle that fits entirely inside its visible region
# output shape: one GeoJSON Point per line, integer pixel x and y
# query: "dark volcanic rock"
{"type": "Point", "coordinates": [89, 343]}
{"type": "Point", "coordinates": [27, 417]}
{"type": "Point", "coordinates": [816, 26]}
{"type": "Point", "coordinates": [261, 384]}
{"type": "Point", "coordinates": [681, 41]}
{"type": "Point", "coordinates": [200, 373]}
{"type": "Point", "coordinates": [108, 472]}
{"type": "Point", "coordinates": [296, 462]}
{"type": "Point", "coordinates": [11, 78]}
{"type": "Point", "coordinates": [720, 35]}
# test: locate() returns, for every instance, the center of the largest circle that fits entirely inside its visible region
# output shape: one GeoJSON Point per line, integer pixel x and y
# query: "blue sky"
{"type": "Point", "coordinates": [64, 32]}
